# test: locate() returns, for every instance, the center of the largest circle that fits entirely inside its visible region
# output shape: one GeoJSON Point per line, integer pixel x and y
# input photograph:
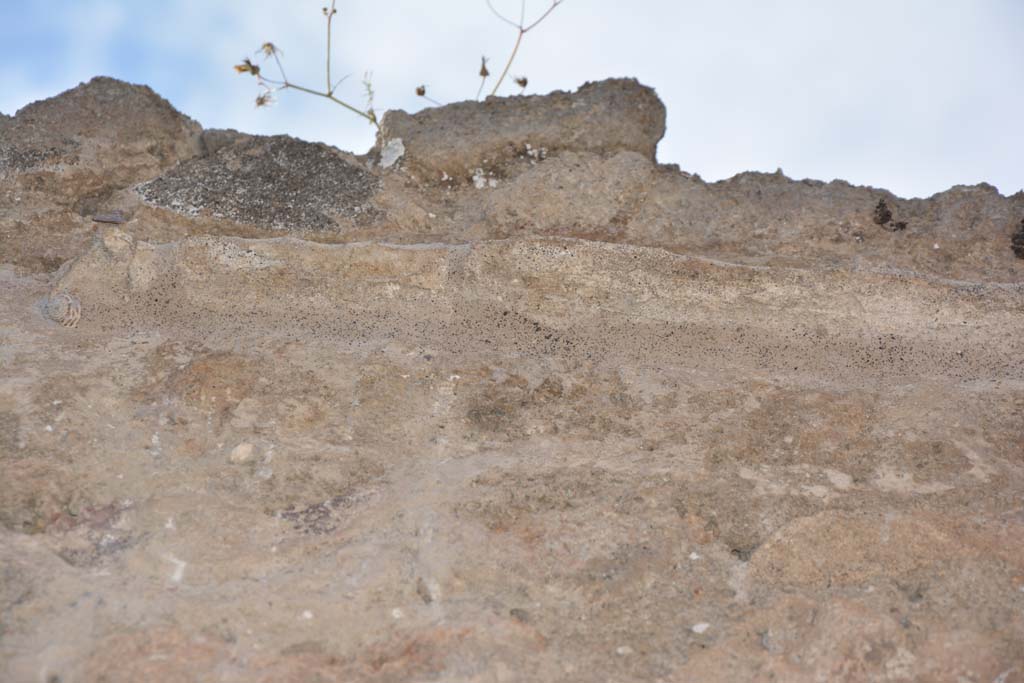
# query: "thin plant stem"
{"type": "Point", "coordinates": [340, 81]}
{"type": "Point", "coordinates": [280, 67]}
{"type": "Point", "coordinates": [523, 30]}
{"type": "Point", "coordinates": [264, 80]}
{"type": "Point", "coordinates": [504, 18]}
{"type": "Point", "coordinates": [554, 4]}
{"type": "Point", "coordinates": [369, 114]}
{"type": "Point", "coordinates": [330, 16]}
{"type": "Point", "coordinates": [508, 64]}
{"type": "Point", "coordinates": [332, 98]}
{"type": "Point", "coordinates": [284, 83]}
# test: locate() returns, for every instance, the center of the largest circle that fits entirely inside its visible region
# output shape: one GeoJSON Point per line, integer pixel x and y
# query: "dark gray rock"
{"type": "Point", "coordinates": [276, 182]}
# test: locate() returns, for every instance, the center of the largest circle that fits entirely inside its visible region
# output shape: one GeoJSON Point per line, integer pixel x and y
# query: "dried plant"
{"type": "Point", "coordinates": [484, 73]}
{"type": "Point", "coordinates": [422, 92]}
{"type": "Point", "coordinates": [272, 85]}
{"type": "Point", "coordinates": [523, 29]}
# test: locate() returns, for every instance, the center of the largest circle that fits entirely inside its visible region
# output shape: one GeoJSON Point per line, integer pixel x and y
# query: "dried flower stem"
{"type": "Point", "coordinates": [283, 83]}
{"type": "Point", "coordinates": [484, 73]}
{"type": "Point", "coordinates": [271, 84]}
{"type": "Point", "coordinates": [330, 16]}
{"type": "Point", "coordinates": [523, 30]}
{"type": "Point", "coordinates": [515, 49]}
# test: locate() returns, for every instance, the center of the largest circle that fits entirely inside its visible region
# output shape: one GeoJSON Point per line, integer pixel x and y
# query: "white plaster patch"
{"type": "Point", "coordinates": [392, 151]}
{"type": "Point", "coordinates": [179, 568]}
{"type": "Point", "coordinates": [840, 480]}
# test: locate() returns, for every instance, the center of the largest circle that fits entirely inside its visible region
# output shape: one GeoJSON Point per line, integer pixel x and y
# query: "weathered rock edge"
{"type": "Point", "coordinates": [604, 117]}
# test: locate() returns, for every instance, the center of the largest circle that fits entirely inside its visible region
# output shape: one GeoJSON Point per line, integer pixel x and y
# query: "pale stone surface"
{"type": "Point", "coordinates": [600, 421]}
{"type": "Point", "coordinates": [242, 453]}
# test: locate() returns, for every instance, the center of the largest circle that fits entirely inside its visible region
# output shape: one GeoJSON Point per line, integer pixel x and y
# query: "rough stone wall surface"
{"type": "Point", "coordinates": [274, 412]}
{"type": "Point", "coordinates": [604, 117]}
{"type": "Point", "coordinates": [100, 135]}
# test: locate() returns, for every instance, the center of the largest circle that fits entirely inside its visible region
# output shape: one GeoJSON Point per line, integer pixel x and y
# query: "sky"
{"type": "Point", "coordinates": [914, 96]}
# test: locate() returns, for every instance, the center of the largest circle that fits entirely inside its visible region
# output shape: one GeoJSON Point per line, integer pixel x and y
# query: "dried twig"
{"type": "Point", "coordinates": [484, 73]}
{"type": "Point", "coordinates": [272, 84]}
{"type": "Point", "coordinates": [522, 28]}
{"type": "Point", "coordinates": [422, 92]}
{"type": "Point", "coordinates": [369, 94]}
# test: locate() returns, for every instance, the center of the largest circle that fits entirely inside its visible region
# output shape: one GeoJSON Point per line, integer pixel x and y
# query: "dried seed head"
{"type": "Point", "coordinates": [421, 90]}
{"type": "Point", "coordinates": [269, 49]}
{"type": "Point", "coordinates": [247, 67]}
{"type": "Point", "coordinates": [264, 99]}
{"type": "Point", "coordinates": [521, 81]}
{"type": "Point", "coordinates": [484, 73]}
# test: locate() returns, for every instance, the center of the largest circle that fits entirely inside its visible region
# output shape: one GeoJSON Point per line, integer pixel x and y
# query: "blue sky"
{"type": "Point", "coordinates": [911, 95]}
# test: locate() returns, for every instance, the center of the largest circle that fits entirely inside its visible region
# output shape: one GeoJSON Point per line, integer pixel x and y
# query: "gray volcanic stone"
{"type": "Point", "coordinates": [214, 139]}
{"type": "Point", "coordinates": [604, 117]}
{"type": "Point", "coordinates": [277, 182]}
